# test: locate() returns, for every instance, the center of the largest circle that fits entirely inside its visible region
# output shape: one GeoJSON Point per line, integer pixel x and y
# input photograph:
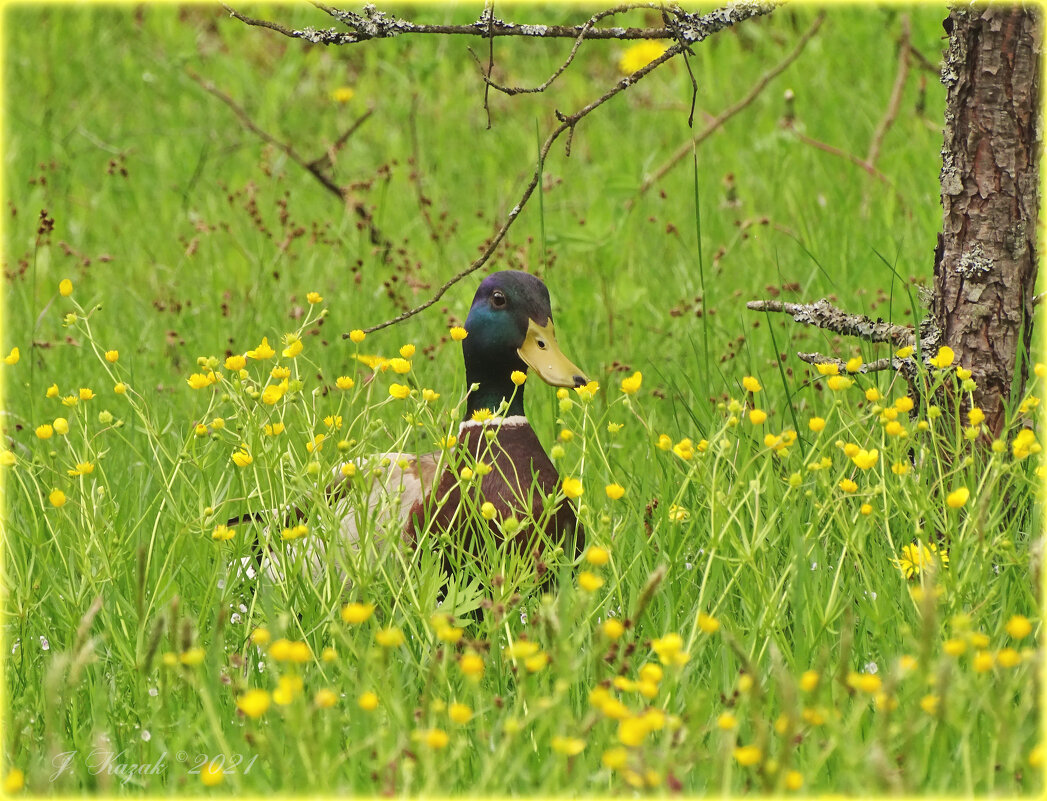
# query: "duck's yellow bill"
{"type": "Point", "coordinates": [542, 354]}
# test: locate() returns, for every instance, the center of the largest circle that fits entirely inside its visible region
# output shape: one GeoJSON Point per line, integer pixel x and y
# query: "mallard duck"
{"type": "Point", "coordinates": [509, 329]}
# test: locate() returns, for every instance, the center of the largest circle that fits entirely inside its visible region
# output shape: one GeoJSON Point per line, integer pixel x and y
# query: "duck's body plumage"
{"type": "Point", "coordinates": [520, 478]}
{"type": "Point", "coordinates": [509, 329]}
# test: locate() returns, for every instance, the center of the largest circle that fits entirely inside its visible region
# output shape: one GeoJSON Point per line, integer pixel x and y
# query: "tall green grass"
{"type": "Point", "coordinates": [780, 629]}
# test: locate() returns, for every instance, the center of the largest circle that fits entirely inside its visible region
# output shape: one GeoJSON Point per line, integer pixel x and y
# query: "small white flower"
{"type": "Point", "coordinates": [146, 736]}
{"type": "Point", "coordinates": [234, 618]}
{"type": "Point", "coordinates": [870, 667]}
{"type": "Point", "coordinates": [153, 692]}
{"type": "Point", "coordinates": [44, 644]}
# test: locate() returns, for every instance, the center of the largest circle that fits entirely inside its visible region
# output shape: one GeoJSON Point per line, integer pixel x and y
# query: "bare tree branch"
{"type": "Point", "coordinates": [823, 314]}
{"type": "Point", "coordinates": [718, 121]}
{"type": "Point", "coordinates": [867, 367]}
{"type": "Point", "coordinates": [699, 29]}
{"type": "Point", "coordinates": [843, 154]}
{"type": "Point", "coordinates": [314, 167]}
{"type": "Point", "coordinates": [374, 24]}
{"type": "Point", "coordinates": [586, 28]}
{"type": "Point", "coordinates": [895, 101]}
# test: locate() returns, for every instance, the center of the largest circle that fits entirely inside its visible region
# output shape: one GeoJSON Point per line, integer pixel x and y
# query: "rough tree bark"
{"type": "Point", "coordinates": [985, 272]}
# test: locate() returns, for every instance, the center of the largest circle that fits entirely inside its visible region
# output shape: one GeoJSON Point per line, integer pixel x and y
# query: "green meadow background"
{"type": "Point", "coordinates": [821, 665]}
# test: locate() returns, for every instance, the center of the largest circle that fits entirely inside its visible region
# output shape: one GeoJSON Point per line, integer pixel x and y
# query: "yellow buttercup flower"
{"type": "Point", "coordinates": [356, 612]}
{"type": "Point", "coordinates": [223, 532]}
{"type": "Point", "coordinates": [809, 680]}
{"type": "Point", "coordinates": [253, 703]}
{"type": "Point", "coordinates": [726, 721]}
{"type": "Point", "coordinates": [612, 628]}
{"type": "Point", "coordinates": [944, 357]}
{"type": "Point", "coordinates": [828, 368]}
{"type": "Point", "coordinates": [708, 623]}
{"type": "Point", "coordinates": [751, 384]}
{"type": "Point", "coordinates": [357, 336]}
{"type": "Point", "coordinates": [242, 457]}
{"type": "Point", "coordinates": [399, 391]}
{"type": "Point", "coordinates": [435, 738]}
{"type": "Point", "coordinates": [343, 94]}
{"type": "Point", "coordinates": [294, 346]}
{"type": "Point", "coordinates": [368, 701]}
{"type": "Point", "coordinates": [684, 449]}
{"type": "Point", "coordinates": [14, 781]}
{"type": "Point", "coordinates": [459, 713]}
{"type": "Point", "coordinates": [344, 382]}
{"type": "Point", "coordinates": [757, 416]}
{"type": "Point", "coordinates": [866, 459]}
{"type": "Point", "coordinates": [597, 556]}
{"type": "Point", "coordinates": [838, 383]}
{"type": "Point", "coordinates": [65, 287]}
{"type": "Point", "coordinates": [572, 488]}
{"type": "Point", "coordinates": [917, 558]}
{"type": "Point", "coordinates": [472, 665]}
{"type": "Point", "coordinates": [1018, 627]}
{"type": "Point", "coordinates": [569, 746]}
{"type": "Point", "coordinates": [747, 755]}
{"type": "Point", "coordinates": [389, 637]}
{"type": "Point", "coordinates": [632, 384]}
{"type": "Point", "coordinates": [589, 582]}
{"type": "Point", "coordinates": [57, 498]}
{"type": "Point", "coordinates": [314, 297]}
{"type": "Point", "coordinates": [614, 491]}
{"type": "Point", "coordinates": [957, 498]}
{"type": "Point", "coordinates": [262, 352]}
{"type": "Point", "coordinates": [640, 55]}
{"type": "Point", "coordinates": [12, 357]}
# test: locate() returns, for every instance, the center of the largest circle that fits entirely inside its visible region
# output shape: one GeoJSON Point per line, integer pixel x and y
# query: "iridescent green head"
{"type": "Point", "coordinates": [510, 327]}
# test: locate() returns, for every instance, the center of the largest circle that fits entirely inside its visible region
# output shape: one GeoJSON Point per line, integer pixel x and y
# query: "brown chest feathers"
{"type": "Point", "coordinates": [512, 473]}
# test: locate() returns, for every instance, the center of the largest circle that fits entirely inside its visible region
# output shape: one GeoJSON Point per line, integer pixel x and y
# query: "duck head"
{"type": "Point", "coordinates": [510, 327]}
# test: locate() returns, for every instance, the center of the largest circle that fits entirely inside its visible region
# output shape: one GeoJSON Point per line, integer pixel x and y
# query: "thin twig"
{"type": "Point", "coordinates": [415, 177]}
{"type": "Point", "coordinates": [339, 143]}
{"type": "Point", "coordinates": [718, 121]}
{"type": "Point", "coordinates": [701, 28]}
{"type": "Point", "coordinates": [867, 367]}
{"type": "Point", "coordinates": [489, 11]}
{"type": "Point", "coordinates": [835, 151]}
{"type": "Point", "coordinates": [583, 34]}
{"type": "Point", "coordinates": [314, 167]}
{"type": "Point", "coordinates": [824, 315]}
{"type": "Point", "coordinates": [895, 101]}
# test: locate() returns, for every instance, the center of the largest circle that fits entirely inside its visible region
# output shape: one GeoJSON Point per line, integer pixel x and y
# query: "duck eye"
{"type": "Point", "coordinates": [498, 300]}
{"type": "Point", "coordinates": [541, 344]}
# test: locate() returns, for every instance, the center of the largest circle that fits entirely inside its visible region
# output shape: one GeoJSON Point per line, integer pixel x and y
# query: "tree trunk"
{"type": "Point", "coordinates": [985, 272]}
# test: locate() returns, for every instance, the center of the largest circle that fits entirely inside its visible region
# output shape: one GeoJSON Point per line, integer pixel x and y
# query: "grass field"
{"type": "Point", "coordinates": [806, 587]}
